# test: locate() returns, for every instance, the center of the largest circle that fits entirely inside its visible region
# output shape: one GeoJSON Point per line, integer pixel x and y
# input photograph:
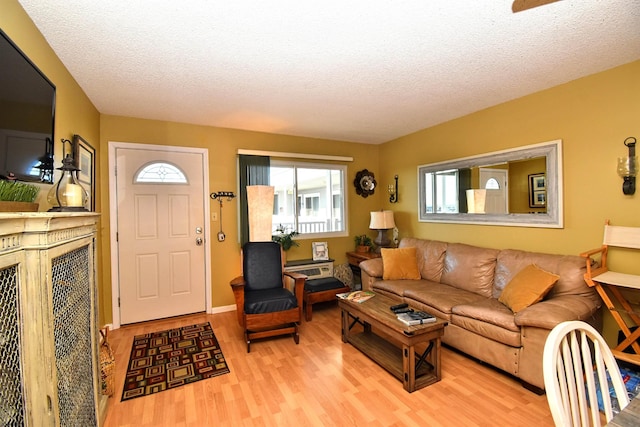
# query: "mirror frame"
{"type": "Point", "coordinates": [553, 218]}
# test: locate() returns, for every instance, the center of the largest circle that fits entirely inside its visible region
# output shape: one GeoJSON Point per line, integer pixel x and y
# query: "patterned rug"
{"type": "Point", "coordinates": [169, 359]}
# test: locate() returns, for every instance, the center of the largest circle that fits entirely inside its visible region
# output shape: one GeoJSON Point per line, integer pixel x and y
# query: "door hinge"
{"type": "Point", "coordinates": [118, 301]}
{"type": "Point", "coordinates": [117, 236]}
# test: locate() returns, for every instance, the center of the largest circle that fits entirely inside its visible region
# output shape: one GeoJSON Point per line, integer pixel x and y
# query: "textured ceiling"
{"type": "Point", "coordinates": [364, 71]}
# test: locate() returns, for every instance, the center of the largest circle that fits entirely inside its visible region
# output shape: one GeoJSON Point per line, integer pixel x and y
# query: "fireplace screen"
{"type": "Point", "coordinates": [11, 405]}
{"type": "Point", "coordinates": [71, 292]}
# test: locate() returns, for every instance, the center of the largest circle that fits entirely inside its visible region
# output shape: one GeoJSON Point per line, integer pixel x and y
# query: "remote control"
{"type": "Point", "coordinates": [404, 310]}
{"type": "Point", "coordinates": [399, 306]}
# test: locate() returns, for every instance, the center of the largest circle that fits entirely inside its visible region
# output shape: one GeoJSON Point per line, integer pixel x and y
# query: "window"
{"type": "Point", "coordinates": [492, 184]}
{"type": "Point", "coordinates": [441, 192]}
{"type": "Point", "coordinates": [160, 172]}
{"type": "Point", "coordinates": [309, 198]}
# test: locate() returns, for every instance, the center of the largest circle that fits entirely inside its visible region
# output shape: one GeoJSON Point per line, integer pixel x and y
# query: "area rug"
{"type": "Point", "coordinates": [169, 359]}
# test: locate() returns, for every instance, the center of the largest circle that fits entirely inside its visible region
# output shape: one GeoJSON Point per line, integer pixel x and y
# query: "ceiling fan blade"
{"type": "Point", "coordinates": [520, 5]}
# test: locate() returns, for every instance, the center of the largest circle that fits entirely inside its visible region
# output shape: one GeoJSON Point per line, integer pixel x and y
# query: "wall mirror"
{"type": "Point", "coordinates": [515, 187]}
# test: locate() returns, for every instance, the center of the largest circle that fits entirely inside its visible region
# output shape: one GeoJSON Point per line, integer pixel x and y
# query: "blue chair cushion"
{"type": "Point", "coordinates": [269, 301]}
{"type": "Point", "coordinates": [262, 266]}
{"type": "Point", "coordinates": [324, 284]}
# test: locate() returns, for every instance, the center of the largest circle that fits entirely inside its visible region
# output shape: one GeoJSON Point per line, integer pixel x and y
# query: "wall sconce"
{"type": "Point", "coordinates": [393, 191]}
{"type": "Point", "coordinates": [67, 195]}
{"type": "Point", "coordinates": [628, 167]}
{"type": "Point", "coordinates": [382, 221]}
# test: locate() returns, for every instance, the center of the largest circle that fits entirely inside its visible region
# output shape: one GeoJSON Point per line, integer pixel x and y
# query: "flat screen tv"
{"type": "Point", "coordinates": [27, 116]}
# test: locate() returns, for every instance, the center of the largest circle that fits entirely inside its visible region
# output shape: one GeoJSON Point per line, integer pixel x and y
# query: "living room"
{"type": "Point", "coordinates": [592, 115]}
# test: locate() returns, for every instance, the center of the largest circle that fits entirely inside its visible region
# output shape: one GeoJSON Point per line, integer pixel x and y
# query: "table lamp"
{"type": "Point", "coordinates": [382, 221]}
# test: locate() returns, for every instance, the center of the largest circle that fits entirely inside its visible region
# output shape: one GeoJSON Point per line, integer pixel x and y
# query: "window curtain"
{"type": "Point", "coordinates": [254, 170]}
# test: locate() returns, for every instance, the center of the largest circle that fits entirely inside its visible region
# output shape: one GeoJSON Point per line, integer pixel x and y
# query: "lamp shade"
{"type": "Point", "coordinates": [382, 220]}
{"type": "Point", "coordinates": [476, 201]}
{"type": "Point", "coordinates": [260, 210]}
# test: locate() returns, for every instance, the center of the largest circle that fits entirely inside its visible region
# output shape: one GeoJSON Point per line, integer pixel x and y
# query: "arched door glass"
{"type": "Point", "coordinates": [160, 173]}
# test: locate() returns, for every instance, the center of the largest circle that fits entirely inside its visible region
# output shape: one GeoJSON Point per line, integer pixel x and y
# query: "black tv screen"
{"type": "Point", "coordinates": [27, 113]}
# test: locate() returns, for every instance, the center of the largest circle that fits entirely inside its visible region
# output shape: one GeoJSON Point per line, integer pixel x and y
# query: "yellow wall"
{"type": "Point", "coordinates": [519, 184]}
{"type": "Point", "coordinates": [75, 114]}
{"type": "Point", "coordinates": [223, 145]}
{"type": "Point", "coordinates": [592, 116]}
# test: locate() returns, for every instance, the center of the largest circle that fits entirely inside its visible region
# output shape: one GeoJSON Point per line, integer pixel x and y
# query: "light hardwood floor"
{"type": "Point", "coordinates": [320, 382]}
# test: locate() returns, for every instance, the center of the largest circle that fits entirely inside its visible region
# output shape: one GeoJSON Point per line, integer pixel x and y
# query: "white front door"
{"type": "Point", "coordinates": [495, 182]}
{"type": "Point", "coordinates": [160, 233]}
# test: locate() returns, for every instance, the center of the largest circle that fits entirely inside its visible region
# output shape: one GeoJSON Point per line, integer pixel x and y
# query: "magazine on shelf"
{"type": "Point", "coordinates": [356, 296]}
{"type": "Point", "coordinates": [416, 318]}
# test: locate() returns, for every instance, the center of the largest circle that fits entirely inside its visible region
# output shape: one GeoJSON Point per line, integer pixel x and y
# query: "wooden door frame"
{"type": "Point", "coordinates": [113, 219]}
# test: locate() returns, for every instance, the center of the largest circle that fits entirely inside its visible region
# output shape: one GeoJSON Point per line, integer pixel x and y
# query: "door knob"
{"type": "Point", "coordinates": [199, 241]}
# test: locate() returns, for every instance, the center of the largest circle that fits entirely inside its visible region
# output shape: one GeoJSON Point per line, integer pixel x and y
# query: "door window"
{"type": "Point", "coordinates": [160, 173]}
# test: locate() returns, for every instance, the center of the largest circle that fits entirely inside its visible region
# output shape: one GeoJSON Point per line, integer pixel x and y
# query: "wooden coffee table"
{"type": "Point", "coordinates": [392, 344]}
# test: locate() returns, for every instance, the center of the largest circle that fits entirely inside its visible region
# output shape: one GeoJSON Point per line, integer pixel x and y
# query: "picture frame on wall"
{"type": "Point", "coordinates": [320, 251]}
{"type": "Point", "coordinates": [537, 190]}
{"type": "Point", "coordinates": [85, 157]}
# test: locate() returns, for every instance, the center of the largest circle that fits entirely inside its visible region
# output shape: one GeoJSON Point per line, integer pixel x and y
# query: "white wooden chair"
{"type": "Point", "coordinates": [608, 284]}
{"type": "Point", "coordinates": [574, 355]}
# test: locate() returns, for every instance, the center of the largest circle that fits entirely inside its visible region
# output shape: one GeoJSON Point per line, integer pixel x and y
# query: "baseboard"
{"type": "Point", "coordinates": [222, 309]}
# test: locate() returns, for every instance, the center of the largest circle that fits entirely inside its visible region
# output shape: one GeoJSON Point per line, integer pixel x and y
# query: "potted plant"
{"type": "Point", "coordinates": [284, 238]}
{"type": "Point", "coordinates": [18, 196]}
{"type": "Point", "coordinates": [363, 243]}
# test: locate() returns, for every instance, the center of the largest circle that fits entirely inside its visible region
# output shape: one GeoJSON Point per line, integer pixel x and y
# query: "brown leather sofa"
{"type": "Point", "coordinates": [462, 283]}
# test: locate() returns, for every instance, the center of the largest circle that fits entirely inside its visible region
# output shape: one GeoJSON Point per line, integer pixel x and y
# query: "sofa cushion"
{"type": "Point", "coordinates": [527, 287]}
{"type": "Point", "coordinates": [488, 318]}
{"type": "Point", "coordinates": [399, 264]}
{"type": "Point", "coordinates": [548, 313]}
{"type": "Point", "coordinates": [470, 268]}
{"type": "Point", "coordinates": [438, 295]}
{"type": "Point", "coordinates": [397, 287]}
{"type": "Point", "coordinates": [430, 254]}
{"type": "Point", "coordinates": [570, 268]}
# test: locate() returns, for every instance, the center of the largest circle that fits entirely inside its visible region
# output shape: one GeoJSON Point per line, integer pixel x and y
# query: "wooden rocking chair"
{"type": "Point", "coordinates": [265, 307]}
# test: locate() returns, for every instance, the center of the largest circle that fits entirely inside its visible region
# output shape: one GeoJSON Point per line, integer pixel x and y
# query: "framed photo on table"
{"type": "Point", "coordinates": [320, 251]}
{"type": "Point", "coordinates": [85, 157]}
{"type": "Point", "coordinates": [537, 190]}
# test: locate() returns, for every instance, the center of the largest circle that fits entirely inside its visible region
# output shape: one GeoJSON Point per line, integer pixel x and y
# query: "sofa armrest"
{"type": "Point", "coordinates": [370, 272]}
{"type": "Point", "coordinates": [548, 313]}
{"type": "Point", "coordinates": [373, 267]}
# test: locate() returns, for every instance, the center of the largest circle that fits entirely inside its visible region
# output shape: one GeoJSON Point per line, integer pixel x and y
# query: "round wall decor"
{"type": "Point", "coordinates": [365, 183]}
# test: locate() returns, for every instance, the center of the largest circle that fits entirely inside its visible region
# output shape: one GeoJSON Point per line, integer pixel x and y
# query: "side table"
{"type": "Point", "coordinates": [354, 259]}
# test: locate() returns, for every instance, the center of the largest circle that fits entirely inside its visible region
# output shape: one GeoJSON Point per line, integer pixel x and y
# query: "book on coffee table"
{"type": "Point", "coordinates": [356, 296]}
{"type": "Point", "coordinates": [416, 318]}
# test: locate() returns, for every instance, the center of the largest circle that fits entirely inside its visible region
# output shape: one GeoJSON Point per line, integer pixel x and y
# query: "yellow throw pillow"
{"type": "Point", "coordinates": [399, 264]}
{"type": "Point", "coordinates": [528, 287]}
